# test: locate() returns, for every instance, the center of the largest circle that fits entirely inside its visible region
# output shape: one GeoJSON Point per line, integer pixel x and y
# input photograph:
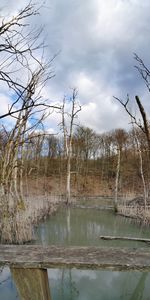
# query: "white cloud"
{"type": "Point", "coordinates": [4, 103]}
{"type": "Point", "coordinates": [97, 40]}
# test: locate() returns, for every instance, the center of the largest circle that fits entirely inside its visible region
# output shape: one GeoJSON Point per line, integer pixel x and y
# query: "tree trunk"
{"type": "Point", "coordinates": [117, 182]}
{"type": "Point", "coordinates": [68, 180]}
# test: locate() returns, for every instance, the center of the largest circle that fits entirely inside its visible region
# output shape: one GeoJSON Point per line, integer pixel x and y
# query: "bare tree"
{"type": "Point", "coordinates": [24, 72]}
{"type": "Point", "coordinates": [67, 127]}
{"type": "Point", "coordinates": [22, 59]}
{"type": "Point", "coordinates": [119, 139]}
{"type": "Point", "coordinates": [141, 167]}
{"type": "Point", "coordinates": [143, 123]}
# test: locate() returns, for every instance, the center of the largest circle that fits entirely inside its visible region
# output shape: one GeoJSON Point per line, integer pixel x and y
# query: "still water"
{"type": "Point", "coordinates": [82, 227]}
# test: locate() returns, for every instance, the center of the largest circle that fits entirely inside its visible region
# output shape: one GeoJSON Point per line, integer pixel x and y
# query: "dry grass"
{"type": "Point", "coordinates": [91, 185]}
{"type": "Point", "coordinates": [80, 186]}
{"type": "Point", "coordinates": [136, 212]}
{"type": "Point", "coordinates": [19, 228]}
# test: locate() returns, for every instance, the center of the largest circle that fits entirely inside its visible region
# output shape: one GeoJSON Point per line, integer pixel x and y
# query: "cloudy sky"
{"type": "Point", "coordinates": [96, 40]}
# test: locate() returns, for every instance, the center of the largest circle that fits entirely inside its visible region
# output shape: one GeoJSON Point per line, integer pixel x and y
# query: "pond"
{"type": "Point", "coordinates": [82, 227]}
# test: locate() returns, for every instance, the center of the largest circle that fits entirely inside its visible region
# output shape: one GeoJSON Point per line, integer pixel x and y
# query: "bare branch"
{"type": "Point", "coordinates": [125, 105]}
{"type": "Point", "coordinates": [143, 70]}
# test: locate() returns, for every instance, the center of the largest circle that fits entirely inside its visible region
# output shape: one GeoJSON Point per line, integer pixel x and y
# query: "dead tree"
{"type": "Point", "coordinates": [117, 181]}
{"type": "Point", "coordinates": [141, 167]}
{"type": "Point", "coordinates": [24, 76]}
{"type": "Point", "coordinates": [143, 123]}
{"type": "Point", "coordinates": [22, 55]}
{"type": "Point", "coordinates": [120, 139]}
{"type": "Point", "coordinates": [11, 185]}
{"type": "Point", "coordinates": [67, 125]}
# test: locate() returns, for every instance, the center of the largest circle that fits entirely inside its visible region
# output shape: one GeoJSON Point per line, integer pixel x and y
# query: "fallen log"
{"type": "Point", "coordinates": [107, 237]}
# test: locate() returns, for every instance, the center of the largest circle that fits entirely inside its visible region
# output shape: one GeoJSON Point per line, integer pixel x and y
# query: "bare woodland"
{"type": "Point", "coordinates": [77, 161]}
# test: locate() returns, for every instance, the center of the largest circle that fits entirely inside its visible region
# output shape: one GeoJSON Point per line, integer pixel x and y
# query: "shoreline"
{"type": "Point", "coordinates": [19, 228]}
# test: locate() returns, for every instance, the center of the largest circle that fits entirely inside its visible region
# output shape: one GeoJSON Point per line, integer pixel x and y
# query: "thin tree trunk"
{"type": "Point", "coordinates": [141, 169]}
{"type": "Point", "coordinates": [117, 182]}
{"type": "Point", "coordinates": [68, 180]}
{"type": "Point", "coordinates": [68, 135]}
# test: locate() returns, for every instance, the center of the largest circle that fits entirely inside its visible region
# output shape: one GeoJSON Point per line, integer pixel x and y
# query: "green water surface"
{"type": "Point", "coordinates": [82, 227]}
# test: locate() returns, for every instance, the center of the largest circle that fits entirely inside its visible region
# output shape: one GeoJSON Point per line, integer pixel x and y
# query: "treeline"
{"type": "Point", "coordinates": [92, 155]}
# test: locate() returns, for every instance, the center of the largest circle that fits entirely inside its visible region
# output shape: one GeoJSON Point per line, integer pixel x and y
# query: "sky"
{"type": "Point", "coordinates": [96, 41]}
